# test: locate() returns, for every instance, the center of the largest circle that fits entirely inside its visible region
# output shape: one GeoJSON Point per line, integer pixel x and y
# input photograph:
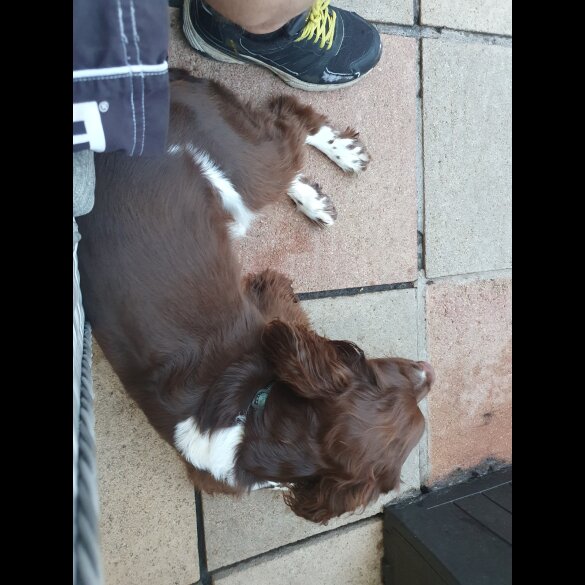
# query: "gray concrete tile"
{"type": "Point", "coordinates": [389, 11]}
{"type": "Point", "coordinates": [491, 16]}
{"type": "Point", "coordinates": [381, 323]}
{"type": "Point", "coordinates": [467, 106]}
{"type": "Point", "coordinates": [350, 556]}
{"type": "Point", "coordinates": [147, 506]}
{"type": "Point", "coordinates": [240, 528]}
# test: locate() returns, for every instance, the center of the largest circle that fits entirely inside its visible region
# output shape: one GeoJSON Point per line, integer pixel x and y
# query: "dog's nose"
{"type": "Point", "coordinates": [428, 371]}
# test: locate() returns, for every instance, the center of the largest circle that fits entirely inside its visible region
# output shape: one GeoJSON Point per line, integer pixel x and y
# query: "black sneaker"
{"type": "Point", "coordinates": [323, 48]}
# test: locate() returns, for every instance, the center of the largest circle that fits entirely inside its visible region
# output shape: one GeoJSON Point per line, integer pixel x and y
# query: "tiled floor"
{"type": "Point", "coordinates": [350, 556]}
{"type": "Point", "coordinates": [148, 527]}
{"type": "Point", "coordinates": [441, 167]}
{"type": "Point", "coordinates": [376, 242]}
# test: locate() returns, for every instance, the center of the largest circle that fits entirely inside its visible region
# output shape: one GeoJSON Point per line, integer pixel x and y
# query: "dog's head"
{"type": "Point", "coordinates": [364, 419]}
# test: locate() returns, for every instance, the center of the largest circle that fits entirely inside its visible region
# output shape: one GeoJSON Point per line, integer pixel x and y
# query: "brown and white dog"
{"type": "Point", "coordinates": [228, 370]}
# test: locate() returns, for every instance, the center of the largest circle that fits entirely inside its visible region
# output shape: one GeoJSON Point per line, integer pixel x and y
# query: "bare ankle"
{"type": "Point", "coordinates": [260, 16]}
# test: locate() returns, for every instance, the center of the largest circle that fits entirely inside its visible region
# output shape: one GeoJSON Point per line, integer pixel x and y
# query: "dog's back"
{"type": "Point", "coordinates": [137, 275]}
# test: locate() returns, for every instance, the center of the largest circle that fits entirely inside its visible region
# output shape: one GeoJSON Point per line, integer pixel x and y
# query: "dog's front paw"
{"type": "Point", "coordinates": [350, 154]}
{"type": "Point", "coordinates": [310, 200]}
{"type": "Point", "coordinates": [343, 148]}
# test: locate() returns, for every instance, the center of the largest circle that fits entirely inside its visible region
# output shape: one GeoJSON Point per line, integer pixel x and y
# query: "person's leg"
{"type": "Point", "coordinates": [318, 48]}
{"type": "Point", "coordinates": [260, 16]}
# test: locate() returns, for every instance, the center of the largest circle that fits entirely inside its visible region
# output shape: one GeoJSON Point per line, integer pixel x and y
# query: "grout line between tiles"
{"type": "Point", "coordinates": [423, 354]}
{"type": "Point", "coordinates": [204, 575]}
{"type": "Point", "coordinates": [441, 32]}
{"type": "Point", "coordinates": [232, 568]}
{"type": "Point", "coordinates": [421, 285]}
{"type": "Point", "coordinates": [419, 164]}
{"type": "Point", "coordinates": [350, 292]}
{"type": "Point", "coordinates": [471, 276]}
{"type": "Point", "coordinates": [416, 12]}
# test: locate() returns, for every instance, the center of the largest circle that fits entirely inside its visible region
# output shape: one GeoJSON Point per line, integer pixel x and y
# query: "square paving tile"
{"type": "Point", "coordinates": [468, 157]}
{"type": "Point", "coordinates": [470, 346]}
{"type": "Point", "coordinates": [147, 505]}
{"type": "Point", "coordinates": [492, 16]}
{"type": "Point", "coordinates": [351, 556]}
{"type": "Point", "coordinates": [374, 239]}
{"type": "Point", "coordinates": [382, 323]}
{"type": "Point", "coordinates": [390, 11]}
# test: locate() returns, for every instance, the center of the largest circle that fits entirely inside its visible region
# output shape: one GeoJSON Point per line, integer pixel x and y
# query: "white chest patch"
{"type": "Point", "coordinates": [212, 452]}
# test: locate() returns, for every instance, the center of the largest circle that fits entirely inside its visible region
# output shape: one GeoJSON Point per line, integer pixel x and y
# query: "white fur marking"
{"type": "Point", "coordinates": [339, 151]}
{"type": "Point", "coordinates": [230, 198]}
{"type": "Point", "coordinates": [309, 201]}
{"type": "Point", "coordinates": [268, 485]}
{"type": "Point", "coordinates": [212, 452]}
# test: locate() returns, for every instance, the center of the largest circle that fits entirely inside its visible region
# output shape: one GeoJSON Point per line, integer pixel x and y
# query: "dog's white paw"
{"type": "Point", "coordinates": [311, 201]}
{"type": "Point", "coordinates": [343, 148]}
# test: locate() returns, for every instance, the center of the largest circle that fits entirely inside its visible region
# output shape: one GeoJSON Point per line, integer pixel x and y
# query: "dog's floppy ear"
{"type": "Point", "coordinates": [321, 499]}
{"type": "Point", "coordinates": [304, 360]}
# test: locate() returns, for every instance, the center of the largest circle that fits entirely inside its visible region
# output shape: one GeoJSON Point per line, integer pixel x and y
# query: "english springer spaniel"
{"type": "Point", "coordinates": [228, 369]}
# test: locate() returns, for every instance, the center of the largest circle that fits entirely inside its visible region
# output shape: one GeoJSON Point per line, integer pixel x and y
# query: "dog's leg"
{"type": "Point", "coordinates": [296, 122]}
{"type": "Point", "coordinates": [288, 109]}
{"type": "Point", "coordinates": [311, 201]}
{"type": "Point", "coordinates": [343, 148]}
{"type": "Point", "coordinates": [273, 294]}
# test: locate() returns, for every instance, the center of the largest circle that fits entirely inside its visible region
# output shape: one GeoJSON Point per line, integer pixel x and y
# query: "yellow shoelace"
{"type": "Point", "coordinates": [320, 24]}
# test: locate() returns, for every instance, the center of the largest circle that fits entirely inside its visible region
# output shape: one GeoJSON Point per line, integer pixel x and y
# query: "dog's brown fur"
{"type": "Point", "coordinates": [189, 337]}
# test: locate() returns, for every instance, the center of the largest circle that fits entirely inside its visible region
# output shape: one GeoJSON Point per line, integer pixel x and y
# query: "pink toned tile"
{"type": "Point", "coordinates": [470, 346]}
{"type": "Point", "coordinates": [374, 239]}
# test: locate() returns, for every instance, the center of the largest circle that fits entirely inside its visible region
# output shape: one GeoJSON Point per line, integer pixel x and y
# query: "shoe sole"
{"type": "Point", "coordinates": [200, 45]}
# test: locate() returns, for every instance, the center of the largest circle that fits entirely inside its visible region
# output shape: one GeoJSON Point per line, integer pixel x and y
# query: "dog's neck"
{"type": "Point", "coordinates": [280, 444]}
{"type": "Point", "coordinates": [229, 397]}
{"type": "Point", "coordinates": [258, 403]}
